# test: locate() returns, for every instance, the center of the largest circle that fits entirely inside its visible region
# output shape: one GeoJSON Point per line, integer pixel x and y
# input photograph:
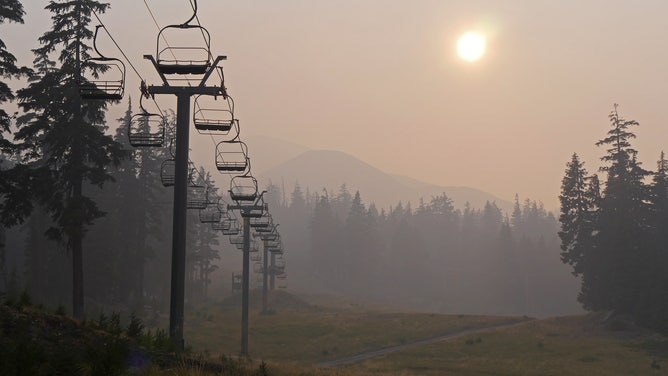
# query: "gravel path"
{"type": "Point", "coordinates": [376, 353]}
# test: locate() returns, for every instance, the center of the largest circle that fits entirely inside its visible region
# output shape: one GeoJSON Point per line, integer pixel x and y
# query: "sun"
{"type": "Point", "coordinates": [471, 46]}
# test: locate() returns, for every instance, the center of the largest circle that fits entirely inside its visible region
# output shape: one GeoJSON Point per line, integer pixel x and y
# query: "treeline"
{"type": "Point", "coordinates": [431, 257]}
{"type": "Point", "coordinates": [613, 229]}
{"type": "Point", "coordinates": [94, 216]}
{"type": "Point", "coordinates": [128, 249]}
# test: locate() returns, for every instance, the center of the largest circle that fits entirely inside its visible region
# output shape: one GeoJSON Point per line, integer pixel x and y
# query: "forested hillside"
{"type": "Point", "coordinates": [428, 256]}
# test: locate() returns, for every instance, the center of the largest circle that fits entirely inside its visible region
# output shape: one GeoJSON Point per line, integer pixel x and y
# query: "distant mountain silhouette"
{"type": "Point", "coordinates": [269, 152]}
{"type": "Point", "coordinates": [327, 169]}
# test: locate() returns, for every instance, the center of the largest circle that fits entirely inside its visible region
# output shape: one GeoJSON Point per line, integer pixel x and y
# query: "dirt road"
{"type": "Point", "coordinates": [376, 353]}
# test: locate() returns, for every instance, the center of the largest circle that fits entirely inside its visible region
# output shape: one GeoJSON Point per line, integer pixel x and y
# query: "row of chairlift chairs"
{"type": "Point", "coordinates": [103, 78]}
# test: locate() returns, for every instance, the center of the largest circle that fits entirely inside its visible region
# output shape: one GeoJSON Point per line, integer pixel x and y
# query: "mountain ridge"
{"type": "Point", "coordinates": [316, 170]}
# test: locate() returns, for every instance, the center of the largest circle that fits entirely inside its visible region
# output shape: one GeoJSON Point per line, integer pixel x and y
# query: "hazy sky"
{"type": "Point", "coordinates": [380, 79]}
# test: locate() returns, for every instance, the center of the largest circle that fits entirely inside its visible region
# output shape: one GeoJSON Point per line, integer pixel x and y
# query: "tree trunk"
{"type": "Point", "coordinates": [75, 240]}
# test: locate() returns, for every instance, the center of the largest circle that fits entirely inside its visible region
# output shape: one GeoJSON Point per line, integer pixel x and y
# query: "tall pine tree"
{"type": "Point", "coordinates": [579, 203]}
{"type": "Point", "coordinates": [654, 309]}
{"type": "Point", "coordinates": [61, 136]}
{"type": "Point", "coordinates": [10, 11]}
{"type": "Point", "coordinates": [621, 223]}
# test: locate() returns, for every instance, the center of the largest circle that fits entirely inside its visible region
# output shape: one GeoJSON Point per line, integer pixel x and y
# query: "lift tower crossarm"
{"type": "Point", "coordinates": [204, 78]}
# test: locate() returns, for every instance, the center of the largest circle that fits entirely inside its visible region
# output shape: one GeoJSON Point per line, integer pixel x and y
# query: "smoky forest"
{"type": "Point", "coordinates": [87, 217]}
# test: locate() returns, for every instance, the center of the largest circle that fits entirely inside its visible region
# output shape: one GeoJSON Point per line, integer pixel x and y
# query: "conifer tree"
{"type": "Point", "coordinates": [10, 11]}
{"type": "Point", "coordinates": [620, 248]}
{"type": "Point", "coordinates": [654, 309]}
{"type": "Point", "coordinates": [61, 137]}
{"type": "Point", "coordinates": [325, 240]}
{"type": "Point", "coordinates": [575, 218]}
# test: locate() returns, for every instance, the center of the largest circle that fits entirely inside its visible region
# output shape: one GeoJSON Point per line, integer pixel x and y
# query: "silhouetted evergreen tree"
{"type": "Point", "coordinates": [620, 241]}
{"type": "Point", "coordinates": [516, 218]}
{"type": "Point", "coordinates": [61, 137]}
{"type": "Point", "coordinates": [576, 216]}
{"type": "Point", "coordinates": [10, 11]}
{"type": "Point", "coordinates": [614, 237]}
{"type": "Point", "coordinates": [325, 242]}
{"type": "Point", "coordinates": [653, 308]}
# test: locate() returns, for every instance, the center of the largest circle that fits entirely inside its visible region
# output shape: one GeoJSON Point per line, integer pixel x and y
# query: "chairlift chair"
{"type": "Point", "coordinates": [146, 129]}
{"type": "Point", "coordinates": [232, 156]}
{"type": "Point", "coordinates": [282, 283]}
{"type": "Point", "coordinates": [212, 213]}
{"type": "Point", "coordinates": [274, 243]}
{"type": "Point", "coordinates": [168, 172]}
{"type": "Point", "coordinates": [218, 226]}
{"type": "Point", "coordinates": [243, 188]}
{"type": "Point", "coordinates": [236, 282]}
{"type": "Point", "coordinates": [102, 78]}
{"type": "Point", "coordinates": [183, 56]}
{"type": "Point", "coordinates": [197, 197]}
{"type": "Point", "coordinates": [256, 210]}
{"type": "Point", "coordinates": [237, 239]}
{"type": "Point", "coordinates": [274, 246]}
{"type": "Point", "coordinates": [263, 230]}
{"type": "Point", "coordinates": [258, 267]}
{"type": "Point", "coordinates": [266, 229]}
{"type": "Point", "coordinates": [230, 227]}
{"type": "Point", "coordinates": [277, 270]}
{"type": "Point", "coordinates": [275, 250]}
{"type": "Point", "coordinates": [212, 115]}
{"type": "Point", "coordinates": [268, 235]}
{"type": "Point", "coordinates": [265, 221]}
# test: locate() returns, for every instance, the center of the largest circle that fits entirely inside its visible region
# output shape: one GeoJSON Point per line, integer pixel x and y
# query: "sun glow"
{"type": "Point", "coordinates": [471, 46]}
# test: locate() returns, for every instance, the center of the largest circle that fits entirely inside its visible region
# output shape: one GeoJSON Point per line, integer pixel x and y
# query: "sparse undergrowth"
{"type": "Point", "coordinates": [35, 342]}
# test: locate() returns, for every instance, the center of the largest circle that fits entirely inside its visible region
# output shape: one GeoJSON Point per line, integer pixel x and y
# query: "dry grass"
{"type": "Point", "coordinates": [577, 345]}
{"type": "Point", "coordinates": [299, 335]}
{"type": "Point", "coordinates": [306, 334]}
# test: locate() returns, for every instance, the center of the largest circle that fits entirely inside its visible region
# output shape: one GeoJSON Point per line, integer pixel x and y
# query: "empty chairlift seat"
{"type": "Point", "coordinates": [255, 211]}
{"type": "Point", "coordinates": [230, 227]}
{"type": "Point", "coordinates": [267, 236]}
{"type": "Point", "coordinates": [236, 282]}
{"type": "Point", "coordinates": [102, 78]}
{"type": "Point", "coordinates": [264, 221]}
{"type": "Point", "coordinates": [212, 213]}
{"type": "Point", "coordinates": [184, 49]}
{"type": "Point", "coordinates": [281, 281]}
{"type": "Point", "coordinates": [197, 197]}
{"type": "Point", "coordinates": [258, 267]}
{"type": "Point", "coordinates": [146, 129]}
{"type": "Point", "coordinates": [243, 188]}
{"type": "Point", "coordinates": [168, 172]}
{"type": "Point", "coordinates": [232, 156]}
{"type": "Point", "coordinates": [237, 239]}
{"type": "Point", "coordinates": [213, 115]}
